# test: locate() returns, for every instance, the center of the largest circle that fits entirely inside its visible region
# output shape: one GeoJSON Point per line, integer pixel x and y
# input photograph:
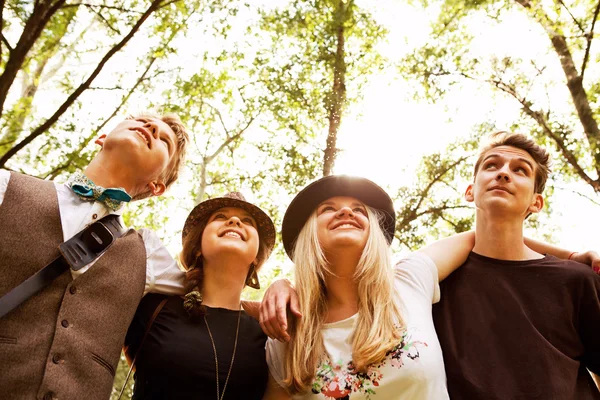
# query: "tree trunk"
{"type": "Point", "coordinates": [1, 27]}
{"type": "Point", "coordinates": [337, 97]}
{"type": "Point", "coordinates": [579, 96]}
{"type": "Point", "coordinates": [203, 183]}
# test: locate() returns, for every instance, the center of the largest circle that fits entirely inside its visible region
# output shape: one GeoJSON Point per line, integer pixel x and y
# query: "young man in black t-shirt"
{"type": "Point", "coordinates": [513, 323]}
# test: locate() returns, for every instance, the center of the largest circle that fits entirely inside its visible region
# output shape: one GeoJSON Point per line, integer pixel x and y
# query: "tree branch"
{"type": "Point", "coordinates": [71, 99]}
{"type": "Point", "coordinates": [402, 223]}
{"type": "Point", "coordinates": [448, 21]}
{"type": "Point", "coordinates": [541, 121]}
{"type": "Point", "coordinates": [2, 28]}
{"type": "Point", "coordinates": [121, 9]}
{"type": "Point", "coordinates": [589, 36]}
{"type": "Point", "coordinates": [8, 46]}
{"type": "Point", "coordinates": [169, 3]}
{"type": "Point", "coordinates": [53, 173]}
{"type": "Point", "coordinates": [436, 179]}
{"type": "Point", "coordinates": [105, 88]}
{"type": "Point", "coordinates": [572, 16]}
{"type": "Point", "coordinates": [579, 194]}
{"type": "Point", "coordinates": [454, 225]}
{"type": "Point", "coordinates": [219, 115]}
{"type": "Point", "coordinates": [229, 140]}
{"type": "Point", "coordinates": [112, 28]}
{"type": "Point", "coordinates": [336, 99]}
{"type": "Point", "coordinates": [32, 30]}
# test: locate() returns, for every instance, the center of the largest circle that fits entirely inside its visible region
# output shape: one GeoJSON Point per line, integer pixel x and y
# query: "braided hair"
{"type": "Point", "coordinates": [191, 260]}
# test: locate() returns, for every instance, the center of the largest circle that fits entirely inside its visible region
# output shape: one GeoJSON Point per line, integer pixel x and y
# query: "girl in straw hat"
{"type": "Point", "coordinates": [205, 345]}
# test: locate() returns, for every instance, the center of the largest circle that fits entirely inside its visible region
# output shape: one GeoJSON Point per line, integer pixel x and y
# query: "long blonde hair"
{"type": "Point", "coordinates": [377, 329]}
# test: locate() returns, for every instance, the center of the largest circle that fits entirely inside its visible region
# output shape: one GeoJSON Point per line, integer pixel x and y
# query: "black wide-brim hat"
{"type": "Point", "coordinates": [264, 224]}
{"type": "Point", "coordinates": [305, 202]}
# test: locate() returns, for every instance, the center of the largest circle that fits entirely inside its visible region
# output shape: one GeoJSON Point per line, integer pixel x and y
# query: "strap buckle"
{"type": "Point", "coordinates": [98, 237]}
{"type": "Point", "coordinates": [84, 248]}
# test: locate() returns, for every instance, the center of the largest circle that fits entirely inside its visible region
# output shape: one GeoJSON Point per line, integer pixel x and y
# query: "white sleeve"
{"type": "Point", "coordinates": [419, 271]}
{"type": "Point", "coordinates": [4, 178]}
{"type": "Point", "coordinates": [275, 359]}
{"type": "Point", "coordinates": [162, 272]}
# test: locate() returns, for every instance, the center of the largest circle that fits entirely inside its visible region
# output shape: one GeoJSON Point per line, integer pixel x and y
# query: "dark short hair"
{"type": "Point", "coordinates": [520, 141]}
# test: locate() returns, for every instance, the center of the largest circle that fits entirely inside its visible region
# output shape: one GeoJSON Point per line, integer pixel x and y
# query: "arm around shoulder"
{"type": "Point", "coordinates": [547, 248]}
{"type": "Point", "coordinates": [252, 308]}
{"type": "Point", "coordinates": [590, 258]}
{"type": "Point", "coordinates": [450, 253]}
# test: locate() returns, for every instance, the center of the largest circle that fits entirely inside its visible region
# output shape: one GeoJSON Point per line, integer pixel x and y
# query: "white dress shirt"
{"type": "Point", "coordinates": [162, 273]}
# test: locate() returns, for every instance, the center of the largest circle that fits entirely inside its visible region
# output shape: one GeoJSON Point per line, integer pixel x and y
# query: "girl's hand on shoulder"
{"type": "Point", "coordinates": [590, 258]}
{"type": "Point", "coordinates": [273, 318]}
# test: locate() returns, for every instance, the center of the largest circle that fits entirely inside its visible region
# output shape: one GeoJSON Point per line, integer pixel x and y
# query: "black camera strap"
{"type": "Point", "coordinates": [77, 252]}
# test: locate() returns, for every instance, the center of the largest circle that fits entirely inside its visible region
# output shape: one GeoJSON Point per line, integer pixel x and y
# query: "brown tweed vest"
{"type": "Point", "coordinates": [65, 341]}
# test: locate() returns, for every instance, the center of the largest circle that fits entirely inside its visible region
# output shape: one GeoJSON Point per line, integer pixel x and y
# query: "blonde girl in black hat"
{"type": "Point", "coordinates": [205, 346]}
{"type": "Point", "coordinates": [366, 330]}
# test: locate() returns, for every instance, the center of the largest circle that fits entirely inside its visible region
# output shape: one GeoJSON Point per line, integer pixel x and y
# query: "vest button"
{"type": "Point", "coordinates": [72, 290]}
{"type": "Point", "coordinates": [64, 323]}
{"type": "Point", "coordinates": [48, 396]}
{"type": "Point", "coordinates": [56, 360]}
{"type": "Point", "coordinates": [95, 216]}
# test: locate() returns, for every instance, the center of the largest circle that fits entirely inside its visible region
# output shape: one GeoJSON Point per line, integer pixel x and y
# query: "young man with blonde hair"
{"type": "Point", "coordinates": [63, 340]}
{"type": "Point", "coordinates": [513, 323]}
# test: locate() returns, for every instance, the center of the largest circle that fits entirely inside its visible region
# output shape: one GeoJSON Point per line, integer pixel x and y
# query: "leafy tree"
{"type": "Point", "coordinates": [48, 34]}
{"type": "Point", "coordinates": [321, 53]}
{"type": "Point", "coordinates": [560, 112]}
{"type": "Point", "coordinates": [433, 205]}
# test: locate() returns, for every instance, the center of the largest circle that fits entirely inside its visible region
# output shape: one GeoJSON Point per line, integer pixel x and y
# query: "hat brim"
{"type": "Point", "coordinates": [264, 224]}
{"type": "Point", "coordinates": [314, 194]}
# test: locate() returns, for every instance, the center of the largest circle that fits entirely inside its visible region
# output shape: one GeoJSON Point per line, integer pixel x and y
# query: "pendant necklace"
{"type": "Point", "coordinates": [237, 331]}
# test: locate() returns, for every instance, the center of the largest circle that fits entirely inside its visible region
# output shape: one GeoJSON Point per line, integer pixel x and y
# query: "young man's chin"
{"type": "Point", "coordinates": [498, 206]}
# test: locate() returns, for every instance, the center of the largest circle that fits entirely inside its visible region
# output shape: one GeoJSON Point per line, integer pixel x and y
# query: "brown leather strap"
{"type": "Point", "coordinates": [132, 366]}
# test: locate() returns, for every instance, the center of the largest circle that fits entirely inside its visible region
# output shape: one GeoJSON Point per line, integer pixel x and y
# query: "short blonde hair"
{"type": "Point", "coordinates": [170, 174]}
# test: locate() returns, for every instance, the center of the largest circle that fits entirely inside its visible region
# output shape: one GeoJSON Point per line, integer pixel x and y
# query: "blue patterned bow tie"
{"type": "Point", "coordinates": [88, 190]}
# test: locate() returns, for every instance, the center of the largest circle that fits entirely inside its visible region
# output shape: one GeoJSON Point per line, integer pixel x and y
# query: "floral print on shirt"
{"type": "Point", "coordinates": [337, 381]}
